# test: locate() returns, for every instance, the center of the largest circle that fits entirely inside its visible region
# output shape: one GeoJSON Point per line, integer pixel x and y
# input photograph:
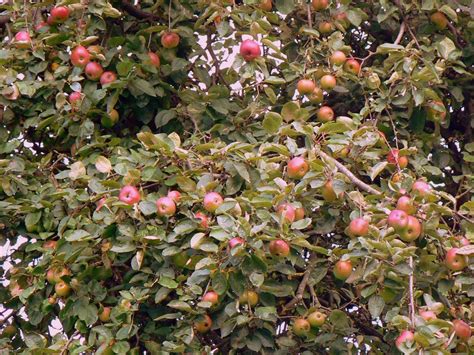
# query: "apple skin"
{"type": "Point", "coordinates": [359, 227]}
{"type": "Point", "coordinates": [279, 248]}
{"type": "Point", "coordinates": [394, 156]}
{"type": "Point", "coordinates": [104, 316]}
{"type": "Point", "coordinates": [80, 56]}
{"type": "Point", "coordinates": [404, 336]}
{"type": "Point", "coordinates": [59, 14]}
{"type": "Point", "coordinates": [342, 270]}
{"type": "Point", "coordinates": [462, 329]}
{"type": "Point", "coordinates": [299, 213]}
{"type": "Point", "coordinates": [405, 203]}
{"type": "Point", "coordinates": [22, 39]}
{"type": "Point", "coordinates": [421, 188]}
{"type": "Point", "coordinates": [319, 5]}
{"type": "Point", "coordinates": [174, 195]}
{"type": "Point", "coordinates": [154, 60]}
{"type": "Point", "coordinates": [40, 26]}
{"type": "Point", "coordinates": [398, 220]}
{"type": "Point", "coordinates": [129, 195]}
{"type": "Point", "coordinates": [170, 40]}
{"type": "Point", "coordinates": [412, 231]}
{"type": "Point", "coordinates": [266, 5]}
{"type": "Point", "coordinates": [62, 289]}
{"type": "Point", "coordinates": [454, 261]}
{"type": "Point", "coordinates": [107, 77]}
{"type": "Point", "coordinates": [93, 71]}
{"type": "Point", "coordinates": [250, 50]}
{"type": "Point", "coordinates": [305, 86]}
{"type": "Point", "coordinates": [316, 319]}
{"type": "Point", "coordinates": [50, 244]}
{"type": "Point", "coordinates": [297, 168]}
{"type": "Point", "coordinates": [352, 66]}
{"type": "Point", "coordinates": [434, 112]}
{"type": "Point", "coordinates": [165, 207]}
{"type": "Point", "coordinates": [301, 327]}
{"type": "Point", "coordinates": [204, 220]}
{"type": "Point", "coordinates": [328, 82]}
{"type": "Point", "coordinates": [337, 58]}
{"type": "Point", "coordinates": [328, 192]}
{"type": "Point", "coordinates": [110, 119]}
{"type": "Point", "coordinates": [287, 212]}
{"type": "Point", "coordinates": [74, 97]}
{"type": "Point", "coordinates": [204, 325]}
{"type": "Point", "coordinates": [249, 297]}
{"type": "Point", "coordinates": [428, 315]}
{"type": "Point", "coordinates": [211, 297]}
{"type": "Point", "coordinates": [55, 274]}
{"type": "Point", "coordinates": [317, 96]}
{"type": "Point", "coordinates": [235, 241]}
{"type": "Point", "coordinates": [325, 27]}
{"type": "Point", "coordinates": [212, 201]}
{"type": "Point", "coordinates": [463, 241]}
{"type": "Point", "coordinates": [439, 20]}
{"type": "Point", "coordinates": [325, 114]}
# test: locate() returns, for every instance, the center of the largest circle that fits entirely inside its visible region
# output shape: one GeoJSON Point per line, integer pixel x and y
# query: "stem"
{"type": "Point", "coordinates": [411, 287]}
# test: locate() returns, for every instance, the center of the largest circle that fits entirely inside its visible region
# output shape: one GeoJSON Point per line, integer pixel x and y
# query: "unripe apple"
{"type": "Point", "coordinates": [170, 40]}
{"type": "Point", "coordinates": [412, 230]}
{"type": "Point", "coordinates": [129, 195]}
{"type": "Point", "coordinates": [342, 269]}
{"type": "Point", "coordinates": [316, 97]}
{"type": "Point", "coordinates": [405, 203]}
{"type": "Point", "coordinates": [328, 82]}
{"type": "Point", "coordinates": [297, 168]}
{"type": "Point", "coordinates": [107, 77]}
{"type": "Point", "coordinates": [165, 206]}
{"type": "Point", "coordinates": [299, 213]}
{"type": "Point", "coordinates": [325, 114]}
{"type": "Point", "coordinates": [235, 242]}
{"type": "Point", "coordinates": [59, 14]}
{"type": "Point", "coordinates": [287, 212]}
{"type": "Point", "coordinates": [404, 336]}
{"type": "Point", "coordinates": [319, 5]}
{"type": "Point", "coordinates": [301, 327]}
{"type": "Point", "coordinates": [110, 119]}
{"type": "Point", "coordinates": [462, 329]}
{"type": "Point", "coordinates": [62, 289]}
{"type": "Point", "coordinates": [174, 195]}
{"type": "Point", "coordinates": [54, 274]}
{"type": "Point", "coordinates": [279, 248]}
{"type": "Point", "coordinates": [421, 188]}
{"type": "Point", "coordinates": [80, 56]}
{"type": "Point", "coordinates": [22, 39]}
{"type": "Point", "coordinates": [203, 325]}
{"type": "Point", "coordinates": [352, 66]}
{"type": "Point", "coordinates": [328, 192]}
{"type": "Point", "coordinates": [316, 319]}
{"type": "Point", "coordinates": [93, 71]}
{"type": "Point", "coordinates": [154, 60]}
{"type": "Point", "coordinates": [9, 331]}
{"type": "Point", "coordinates": [398, 220]}
{"type": "Point", "coordinates": [337, 58]}
{"type": "Point", "coordinates": [204, 220]}
{"type": "Point", "coordinates": [439, 20]}
{"type": "Point", "coordinates": [428, 315]}
{"type": "Point", "coordinates": [305, 86]}
{"type": "Point", "coordinates": [211, 297]}
{"type": "Point", "coordinates": [359, 227]}
{"type": "Point", "coordinates": [266, 5]}
{"type": "Point", "coordinates": [325, 27]}
{"type": "Point", "coordinates": [394, 156]}
{"type": "Point", "coordinates": [436, 111]}
{"type": "Point", "coordinates": [454, 261]}
{"type": "Point", "coordinates": [249, 297]}
{"type": "Point", "coordinates": [104, 316]}
{"type": "Point", "coordinates": [212, 201]}
{"type": "Point", "coordinates": [249, 50]}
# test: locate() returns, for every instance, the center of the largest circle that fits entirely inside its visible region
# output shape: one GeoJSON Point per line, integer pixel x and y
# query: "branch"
{"type": "Point", "coordinates": [341, 168]}
{"type": "Point", "coordinates": [216, 61]}
{"type": "Point", "coordinates": [71, 338]}
{"type": "Point", "coordinates": [411, 292]}
{"type": "Point", "coordinates": [460, 42]}
{"type": "Point", "coordinates": [136, 12]}
{"type": "Point", "coordinates": [400, 33]}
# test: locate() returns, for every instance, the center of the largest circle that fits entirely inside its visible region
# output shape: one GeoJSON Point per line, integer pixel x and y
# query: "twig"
{"type": "Point", "coordinates": [136, 12]}
{"type": "Point", "coordinates": [216, 61]}
{"type": "Point", "coordinates": [411, 292]}
{"type": "Point", "coordinates": [71, 338]}
{"type": "Point", "coordinates": [460, 42]}
{"type": "Point", "coordinates": [400, 33]}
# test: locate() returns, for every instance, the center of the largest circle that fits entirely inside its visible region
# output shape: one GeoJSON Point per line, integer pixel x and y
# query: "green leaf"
{"type": "Point", "coordinates": [377, 169]}
{"type": "Point", "coordinates": [168, 282]}
{"type": "Point", "coordinates": [142, 86]}
{"type": "Point", "coordinates": [285, 6]}
{"type": "Point", "coordinates": [376, 306]}
{"type": "Point", "coordinates": [272, 122]}
{"type": "Point", "coordinates": [182, 306]}
{"type": "Point", "coordinates": [445, 47]}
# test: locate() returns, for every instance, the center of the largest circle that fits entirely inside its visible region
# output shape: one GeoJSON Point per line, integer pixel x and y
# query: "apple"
{"type": "Point", "coordinates": [80, 56]}
{"type": "Point", "coordinates": [62, 289]}
{"type": "Point", "coordinates": [75, 99]}
{"type": "Point", "coordinates": [93, 70]}
{"type": "Point", "coordinates": [59, 14]}
{"type": "Point", "coordinates": [436, 111]}
{"type": "Point", "coordinates": [325, 27]}
{"type": "Point", "coordinates": [279, 248]}
{"type": "Point", "coordinates": [212, 201]}
{"type": "Point", "coordinates": [454, 261]}
{"type": "Point", "coordinates": [316, 319]}
{"type": "Point", "coordinates": [165, 206]}
{"type": "Point", "coordinates": [405, 203]}
{"type": "Point", "coordinates": [297, 168]}
{"type": "Point", "coordinates": [343, 269]}
{"type": "Point", "coordinates": [249, 298]}
{"type": "Point", "coordinates": [328, 82]}
{"type": "Point", "coordinates": [54, 274]}
{"type": "Point", "coordinates": [170, 40]}
{"type": "Point", "coordinates": [316, 97]}
{"type": "Point", "coordinates": [235, 242]}
{"type": "Point", "coordinates": [9, 331]}
{"type": "Point", "coordinates": [50, 244]}
{"type": "Point", "coordinates": [329, 195]}
{"type": "Point", "coordinates": [421, 188]}
{"type": "Point", "coordinates": [104, 315]}
{"type": "Point", "coordinates": [412, 231]}
{"type": "Point", "coordinates": [203, 325]}
{"type": "Point", "coordinates": [110, 119]}
{"type": "Point", "coordinates": [180, 259]}
{"type": "Point", "coordinates": [266, 5]}
{"type": "Point", "coordinates": [154, 60]}
{"type": "Point", "coordinates": [337, 58]}
{"type": "Point", "coordinates": [299, 213]}
{"type": "Point", "coordinates": [204, 220]}
{"type": "Point", "coordinates": [325, 114]}
{"type": "Point", "coordinates": [428, 315]}
{"type": "Point", "coordinates": [341, 17]}
{"type": "Point", "coordinates": [22, 39]}
{"type": "Point", "coordinates": [352, 66]}
{"type": "Point", "coordinates": [394, 156]}
{"type": "Point", "coordinates": [462, 329]}
{"type": "Point", "coordinates": [95, 49]}
{"type": "Point", "coordinates": [40, 26]}
{"type": "Point", "coordinates": [404, 336]}
{"type": "Point", "coordinates": [463, 241]}
{"type": "Point", "coordinates": [305, 86]}
{"type": "Point", "coordinates": [129, 195]}
{"type": "Point", "coordinates": [107, 77]}
{"type": "Point", "coordinates": [174, 195]}
{"type": "Point", "coordinates": [250, 50]}
{"type": "Point", "coordinates": [287, 212]}
{"type": "Point", "coordinates": [211, 296]}
{"type": "Point", "coordinates": [398, 219]}
{"type": "Point", "coordinates": [301, 327]}
{"type": "Point", "coordinates": [320, 4]}
{"type": "Point", "coordinates": [439, 20]}
{"type": "Point", "coordinates": [359, 227]}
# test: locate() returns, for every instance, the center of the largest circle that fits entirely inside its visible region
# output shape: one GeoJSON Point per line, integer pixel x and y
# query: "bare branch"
{"type": "Point", "coordinates": [401, 32]}
{"type": "Point", "coordinates": [136, 12]}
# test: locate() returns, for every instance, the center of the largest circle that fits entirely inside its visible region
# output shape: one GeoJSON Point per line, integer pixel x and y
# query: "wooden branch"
{"type": "Point", "coordinates": [460, 42]}
{"type": "Point", "coordinates": [135, 11]}
{"type": "Point", "coordinates": [411, 283]}
{"type": "Point", "coordinates": [216, 61]}
{"type": "Point", "coordinates": [400, 33]}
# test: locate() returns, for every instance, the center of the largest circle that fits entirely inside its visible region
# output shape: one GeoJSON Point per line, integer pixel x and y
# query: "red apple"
{"type": "Point", "coordinates": [287, 212]}
{"type": "Point", "coordinates": [203, 325]}
{"type": "Point", "coordinates": [297, 168]}
{"type": "Point", "coordinates": [80, 56]}
{"type": "Point", "coordinates": [170, 40]}
{"type": "Point", "coordinates": [394, 156]}
{"type": "Point", "coordinates": [305, 86]}
{"type": "Point", "coordinates": [249, 50]}
{"type": "Point", "coordinates": [359, 227]}
{"type": "Point", "coordinates": [421, 188]}
{"type": "Point", "coordinates": [301, 327]}
{"type": "Point", "coordinates": [249, 298]}
{"type": "Point", "coordinates": [352, 66]}
{"type": "Point", "coordinates": [316, 319]}
{"type": "Point", "coordinates": [317, 96]}
{"type": "Point", "coordinates": [428, 315]}
{"type": "Point", "coordinates": [342, 269]}
{"type": "Point", "coordinates": [325, 114]}
{"type": "Point", "coordinates": [75, 99]}
{"type": "Point", "coordinates": [40, 26]}
{"type": "Point", "coordinates": [439, 20]}
{"type": "Point", "coordinates": [299, 213]}
{"type": "Point", "coordinates": [212, 201]}
{"type": "Point", "coordinates": [129, 195]}
{"type": "Point", "coordinates": [59, 14]}
{"type": "Point", "coordinates": [337, 58]}
{"type": "Point", "coordinates": [165, 206]}
{"type": "Point", "coordinates": [328, 192]}
{"type": "Point", "coordinates": [328, 82]}
{"type": "Point", "coordinates": [107, 77]}
{"type": "Point", "coordinates": [405, 203]}
{"type": "Point", "coordinates": [154, 59]}
{"type": "Point", "coordinates": [204, 219]}
{"type": "Point", "coordinates": [462, 329]}
{"type": "Point", "coordinates": [22, 39]}
{"type": "Point", "coordinates": [404, 336]}
{"type": "Point", "coordinates": [279, 248]}
{"type": "Point", "coordinates": [454, 261]}
{"type": "Point", "coordinates": [94, 71]}
{"type": "Point", "coordinates": [104, 316]}
{"type": "Point", "coordinates": [398, 220]}
{"type": "Point", "coordinates": [236, 241]}
{"type": "Point", "coordinates": [412, 230]}
{"type": "Point", "coordinates": [174, 195]}
{"type": "Point", "coordinates": [325, 27]}
{"type": "Point", "coordinates": [320, 4]}
{"type": "Point", "coordinates": [211, 297]}
{"type": "Point", "coordinates": [266, 5]}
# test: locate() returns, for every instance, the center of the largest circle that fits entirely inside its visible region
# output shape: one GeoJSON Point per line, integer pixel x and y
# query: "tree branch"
{"type": "Point", "coordinates": [216, 61]}
{"type": "Point", "coordinates": [135, 11]}
{"type": "Point", "coordinates": [400, 33]}
{"type": "Point", "coordinates": [411, 282]}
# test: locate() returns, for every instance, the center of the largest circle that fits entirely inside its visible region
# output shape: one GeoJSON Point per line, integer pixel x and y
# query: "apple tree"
{"type": "Point", "coordinates": [236, 176]}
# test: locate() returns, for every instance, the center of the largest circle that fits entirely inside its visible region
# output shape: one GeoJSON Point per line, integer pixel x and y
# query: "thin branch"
{"type": "Point", "coordinates": [400, 33]}
{"type": "Point", "coordinates": [411, 292]}
{"type": "Point", "coordinates": [460, 42]}
{"type": "Point", "coordinates": [71, 338]}
{"type": "Point", "coordinates": [216, 61]}
{"type": "Point", "coordinates": [136, 12]}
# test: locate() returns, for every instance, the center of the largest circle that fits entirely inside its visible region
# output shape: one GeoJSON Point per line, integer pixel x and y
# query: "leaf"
{"type": "Point", "coordinates": [272, 122]}
{"type": "Point", "coordinates": [274, 80]}
{"type": "Point", "coordinates": [77, 171]}
{"type": "Point", "coordinates": [182, 306]}
{"type": "Point", "coordinates": [77, 235]}
{"type": "Point", "coordinates": [285, 6]}
{"type": "Point", "coordinates": [257, 279]}
{"type": "Point", "coordinates": [445, 47]}
{"type": "Point", "coordinates": [377, 169]}
{"type": "Point", "coordinates": [301, 224]}
{"type": "Point", "coordinates": [142, 86]}
{"type": "Point", "coordinates": [168, 282]}
{"type": "Point", "coordinates": [163, 117]}
{"type": "Point", "coordinates": [103, 164]}
{"type": "Point", "coordinates": [376, 306]}
{"type": "Point", "coordinates": [389, 47]}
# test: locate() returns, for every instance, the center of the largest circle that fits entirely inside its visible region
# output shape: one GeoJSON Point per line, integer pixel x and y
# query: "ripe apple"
{"type": "Point", "coordinates": [204, 220]}
{"type": "Point", "coordinates": [110, 119]}
{"type": "Point", "coordinates": [328, 82]}
{"type": "Point", "coordinates": [22, 39]}
{"type": "Point", "coordinates": [299, 213]}
{"type": "Point", "coordinates": [421, 188]}
{"type": "Point", "coordinates": [342, 269]}
{"type": "Point", "coordinates": [359, 227]}
{"type": "Point", "coordinates": [341, 17]}
{"type": "Point", "coordinates": [165, 206]}
{"type": "Point", "coordinates": [454, 261]}
{"type": "Point", "coordinates": [59, 14]}
{"type": "Point", "coordinates": [352, 66]}
{"type": "Point", "coordinates": [75, 99]}
{"type": "Point", "coordinates": [174, 195]}
{"type": "Point", "coordinates": [394, 156]}
{"type": "Point", "coordinates": [439, 20]}
{"type": "Point", "coordinates": [337, 58]}
{"type": "Point", "coordinates": [325, 114]}
{"type": "Point", "coordinates": [325, 27]}
{"type": "Point", "coordinates": [404, 336]}
{"type": "Point", "coordinates": [249, 50]}
{"type": "Point", "coordinates": [462, 329]}
{"type": "Point", "coordinates": [107, 77]}
{"type": "Point", "coordinates": [212, 201]}
{"type": "Point", "coordinates": [235, 242]}
{"type": "Point", "coordinates": [104, 316]}
{"type": "Point", "coordinates": [297, 168]}
{"type": "Point", "coordinates": [170, 40]}
{"type": "Point", "coordinates": [94, 71]}
{"type": "Point", "coordinates": [80, 56]}
{"type": "Point", "coordinates": [398, 219]}
{"type": "Point", "coordinates": [211, 297]}
{"type": "Point", "coordinates": [436, 111]}
{"type": "Point", "coordinates": [301, 327]}
{"type": "Point", "coordinates": [320, 4]}
{"type": "Point", "coordinates": [62, 289]}
{"type": "Point", "coordinates": [316, 97]}
{"type": "Point", "coordinates": [316, 319]}
{"type": "Point", "coordinates": [266, 5]}
{"type": "Point", "coordinates": [203, 325]}
{"type": "Point", "coordinates": [9, 331]}
{"type": "Point", "coordinates": [279, 248]}
{"type": "Point", "coordinates": [405, 203]}
{"type": "Point", "coordinates": [328, 192]}
{"type": "Point", "coordinates": [249, 297]}
{"type": "Point", "coordinates": [287, 212]}
{"type": "Point", "coordinates": [305, 86]}
{"type": "Point", "coordinates": [129, 195]}
{"type": "Point", "coordinates": [154, 60]}
{"type": "Point", "coordinates": [428, 315]}
{"type": "Point", "coordinates": [412, 231]}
